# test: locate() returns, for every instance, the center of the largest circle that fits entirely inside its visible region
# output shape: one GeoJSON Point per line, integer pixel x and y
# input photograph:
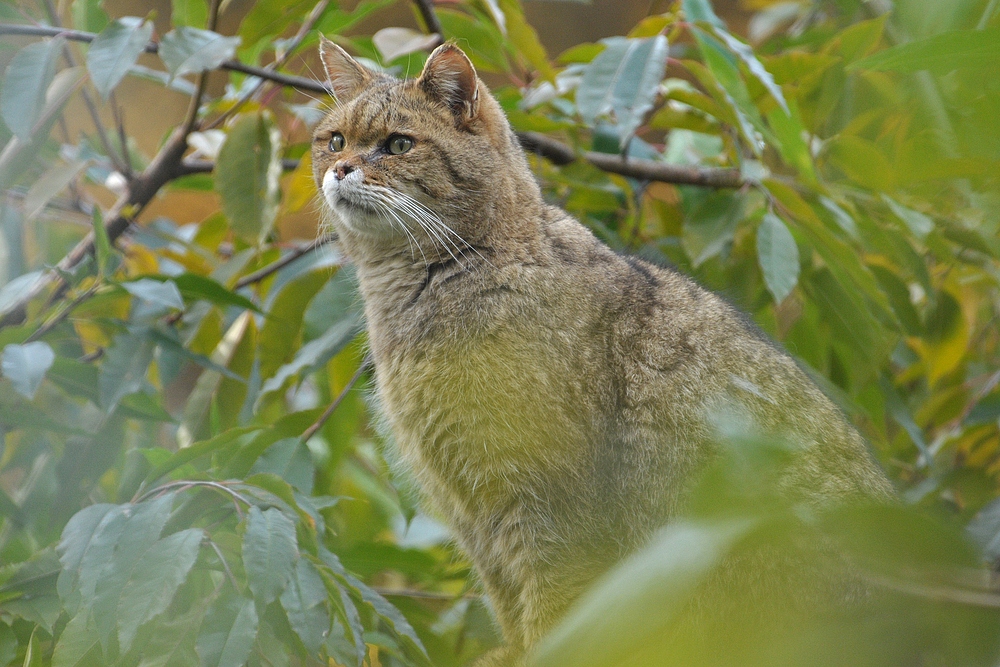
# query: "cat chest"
{"type": "Point", "coordinates": [483, 411]}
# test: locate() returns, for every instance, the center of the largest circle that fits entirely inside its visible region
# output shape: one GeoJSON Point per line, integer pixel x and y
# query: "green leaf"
{"type": "Point", "coordinates": [746, 54]}
{"type": "Point", "coordinates": [246, 176]}
{"type": "Point", "coordinates": [315, 353]}
{"type": "Point", "coordinates": [172, 644]}
{"type": "Point", "coordinates": [25, 84]}
{"type": "Point", "coordinates": [194, 286]}
{"type": "Point", "coordinates": [228, 635]}
{"type": "Point", "coordinates": [270, 549]}
{"type": "Point", "coordinates": [25, 366]}
{"type": "Point", "coordinates": [921, 225]}
{"type": "Point", "coordinates": [393, 618]}
{"type": "Point", "coordinates": [304, 600]}
{"type": "Point", "coordinates": [290, 459]}
{"type": "Point", "coordinates": [646, 593]}
{"type": "Point", "coordinates": [701, 10]}
{"type": "Point", "coordinates": [959, 49]}
{"type": "Point", "coordinates": [49, 184]}
{"type": "Point", "coordinates": [140, 531]}
{"type": "Point", "coordinates": [79, 644]}
{"type": "Point", "coordinates": [115, 50]}
{"type": "Point", "coordinates": [82, 533]}
{"type": "Point", "coordinates": [524, 38]}
{"type": "Point", "coordinates": [8, 644]}
{"type": "Point", "coordinates": [162, 293]}
{"type": "Point", "coordinates": [196, 451]}
{"type": "Point", "coordinates": [268, 18]}
{"type": "Point", "coordinates": [279, 336]}
{"type": "Point", "coordinates": [151, 589]}
{"type": "Point", "coordinates": [624, 79]}
{"type": "Point", "coordinates": [778, 256]}
{"type": "Point", "coordinates": [394, 43]}
{"type": "Point", "coordinates": [187, 50]}
{"type": "Point", "coordinates": [481, 41]}
{"type": "Point", "coordinates": [124, 369]}
{"type": "Point", "coordinates": [193, 13]}
{"type": "Point", "coordinates": [88, 16]}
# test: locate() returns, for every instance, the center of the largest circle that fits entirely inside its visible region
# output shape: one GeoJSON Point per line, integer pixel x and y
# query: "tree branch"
{"type": "Point", "coordinates": [276, 266]}
{"type": "Point", "coordinates": [365, 364]}
{"type": "Point", "coordinates": [430, 17]}
{"type": "Point", "coordinates": [644, 170]}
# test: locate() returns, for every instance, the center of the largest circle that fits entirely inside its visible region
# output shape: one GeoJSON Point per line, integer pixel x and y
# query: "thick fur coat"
{"type": "Point", "coordinates": [551, 397]}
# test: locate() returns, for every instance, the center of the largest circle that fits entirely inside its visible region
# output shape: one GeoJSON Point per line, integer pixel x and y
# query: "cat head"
{"type": "Point", "coordinates": [427, 164]}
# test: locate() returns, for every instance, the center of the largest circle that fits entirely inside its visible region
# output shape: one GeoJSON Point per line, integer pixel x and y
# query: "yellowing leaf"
{"type": "Point", "coordinates": [300, 188]}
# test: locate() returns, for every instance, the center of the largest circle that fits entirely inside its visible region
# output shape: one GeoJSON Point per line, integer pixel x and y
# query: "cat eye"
{"type": "Point", "coordinates": [336, 142]}
{"type": "Point", "coordinates": [398, 144]}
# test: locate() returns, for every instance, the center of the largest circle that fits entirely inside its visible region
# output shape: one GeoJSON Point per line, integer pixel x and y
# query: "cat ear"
{"type": "Point", "coordinates": [346, 76]}
{"type": "Point", "coordinates": [450, 78]}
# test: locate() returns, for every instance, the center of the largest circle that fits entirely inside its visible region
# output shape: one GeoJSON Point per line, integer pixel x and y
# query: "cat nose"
{"type": "Point", "coordinates": [343, 169]}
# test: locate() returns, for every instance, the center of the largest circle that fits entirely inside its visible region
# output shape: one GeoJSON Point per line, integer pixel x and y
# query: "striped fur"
{"type": "Point", "coordinates": [550, 396]}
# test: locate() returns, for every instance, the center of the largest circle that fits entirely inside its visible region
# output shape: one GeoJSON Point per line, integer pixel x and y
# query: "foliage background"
{"type": "Point", "coordinates": [191, 473]}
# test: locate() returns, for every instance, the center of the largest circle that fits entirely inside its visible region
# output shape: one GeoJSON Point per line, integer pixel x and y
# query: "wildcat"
{"type": "Point", "coordinates": [550, 396]}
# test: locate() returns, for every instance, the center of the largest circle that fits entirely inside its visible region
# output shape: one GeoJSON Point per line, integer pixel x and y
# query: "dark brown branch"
{"type": "Point", "coordinates": [645, 170]}
{"type": "Point", "coordinates": [430, 17]}
{"type": "Point", "coordinates": [274, 267]}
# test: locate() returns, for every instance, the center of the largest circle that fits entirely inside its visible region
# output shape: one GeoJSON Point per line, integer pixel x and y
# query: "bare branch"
{"type": "Point", "coordinates": [152, 47]}
{"type": "Point", "coordinates": [645, 170]}
{"type": "Point", "coordinates": [274, 267]}
{"type": "Point", "coordinates": [430, 17]}
{"type": "Point", "coordinates": [366, 363]}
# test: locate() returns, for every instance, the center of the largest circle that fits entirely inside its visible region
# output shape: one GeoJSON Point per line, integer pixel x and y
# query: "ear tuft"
{"type": "Point", "coordinates": [450, 78]}
{"type": "Point", "coordinates": [346, 76]}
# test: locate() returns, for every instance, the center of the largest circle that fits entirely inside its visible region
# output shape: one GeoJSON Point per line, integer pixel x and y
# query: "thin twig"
{"type": "Point", "coordinates": [366, 363]}
{"type": "Point", "coordinates": [102, 134]}
{"type": "Point", "coordinates": [52, 323]}
{"type": "Point", "coordinates": [152, 47]}
{"type": "Point", "coordinates": [307, 25]}
{"type": "Point", "coordinates": [431, 20]}
{"type": "Point", "coordinates": [191, 119]}
{"type": "Point", "coordinates": [423, 595]}
{"type": "Point", "coordinates": [273, 267]}
{"type": "Point", "coordinates": [225, 565]}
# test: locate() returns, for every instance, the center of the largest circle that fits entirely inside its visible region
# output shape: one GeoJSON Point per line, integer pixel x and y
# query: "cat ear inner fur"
{"type": "Point", "coordinates": [346, 76]}
{"type": "Point", "coordinates": [450, 78]}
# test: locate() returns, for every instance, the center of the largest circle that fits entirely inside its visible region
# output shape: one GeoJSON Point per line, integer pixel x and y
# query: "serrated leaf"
{"type": "Point", "coordinates": [163, 293]}
{"type": "Point", "coordinates": [623, 79]}
{"type": "Point", "coordinates": [124, 369]}
{"type": "Point", "coordinates": [304, 600]}
{"type": "Point", "coordinates": [172, 644]}
{"type": "Point", "coordinates": [187, 50]}
{"type": "Point", "coordinates": [290, 459]}
{"type": "Point", "coordinates": [149, 591]}
{"type": "Point", "coordinates": [8, 644]}
{"type": "Point", "coordinates": [81, 534]}
{"type": "Point", "coordinates": [778, 256]}
{"type": "Point", "coordinates": [229, 645]}
{"type": "Point", "coordinates": [270, 549]}
{"type": "Point", "coordinates": [393, 618]}
{"type": "Point", "coordinates": [25, 366]}
{"type": "Point", "coordinates": [958, 49]}
{"type": "Point", "coordinates": [141, 529]}
{"type": "Point", "coordinates": [115, 50]}
{"type": "Point", "coordinates": [246, 176]}
{"type": "Point", "coordinates": [25, 84]}
{"type": "Point", "coordinates": [79, 644]}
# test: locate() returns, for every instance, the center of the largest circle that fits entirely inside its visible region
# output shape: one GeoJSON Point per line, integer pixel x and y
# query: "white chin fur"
{"type": "Point", "coordinates": [352, 217]}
